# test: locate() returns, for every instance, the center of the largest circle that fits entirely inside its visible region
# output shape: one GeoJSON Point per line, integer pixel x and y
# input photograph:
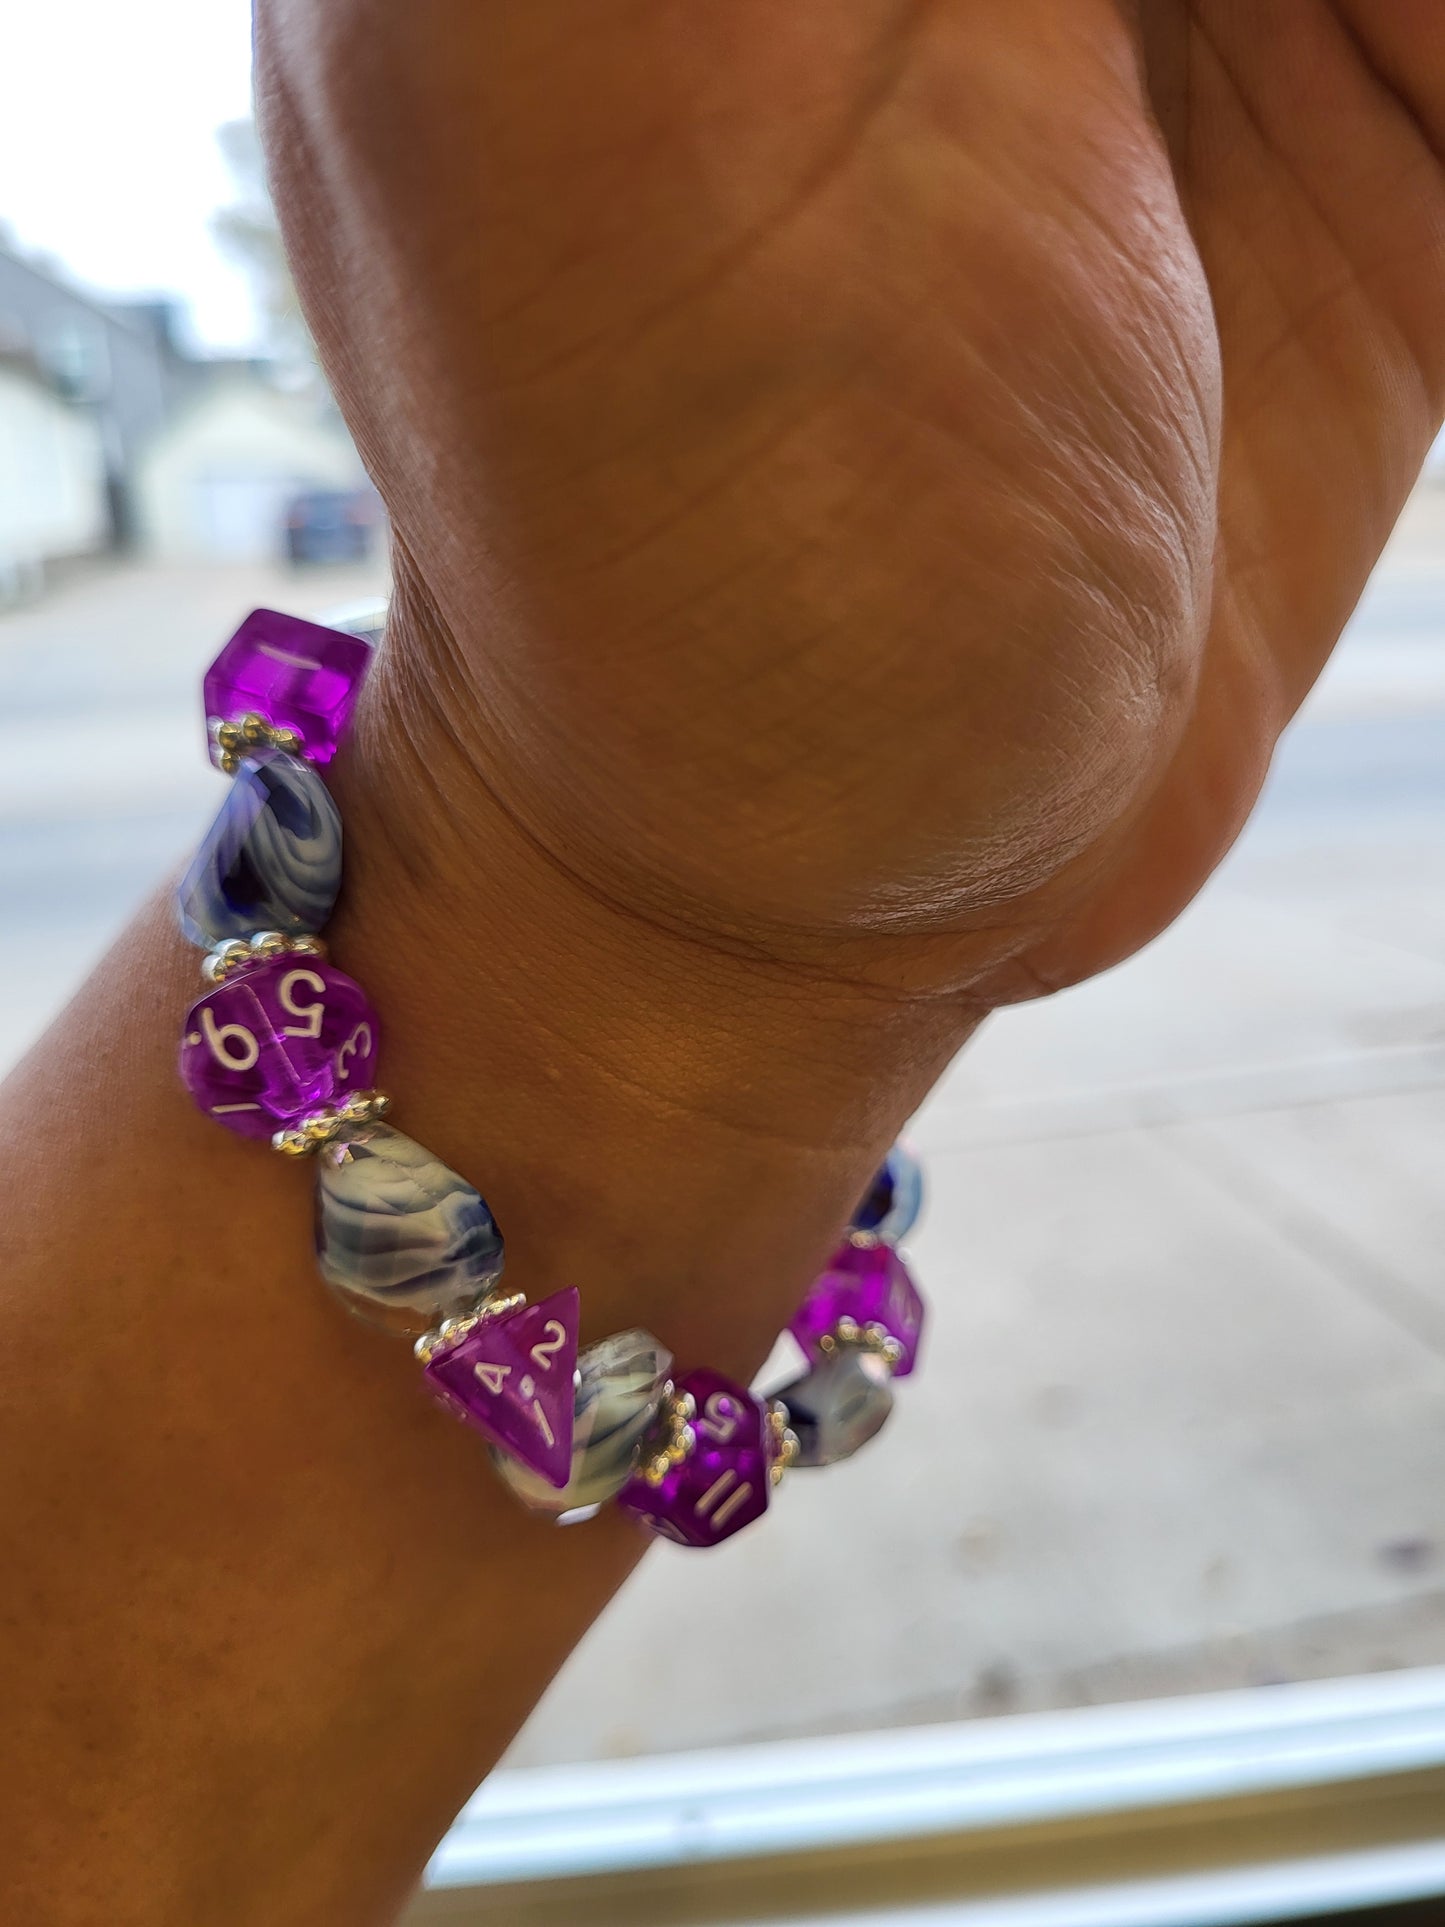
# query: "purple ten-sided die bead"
{"type": "Point", "coordinates": [724, 1482]}
{"type": "Point", "coordinates": [293, 674]}
{"type": "Point", "coordinates": [277, 1040]}
{"type": "Point", "coordinates": [870, 1284]}
{"type": "Point", "coordinates": [513, 1376]}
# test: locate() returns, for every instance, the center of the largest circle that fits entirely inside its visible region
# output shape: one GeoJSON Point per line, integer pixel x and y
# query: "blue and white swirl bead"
{"type": "Point", "coordinates": [890, 1207]}
{"type": "Point", "coordinates": [272, 858]}
{"type": "Point", "coordinates": [621, 1382]}
{"type": "Point", "coordinates": [403, 1239]}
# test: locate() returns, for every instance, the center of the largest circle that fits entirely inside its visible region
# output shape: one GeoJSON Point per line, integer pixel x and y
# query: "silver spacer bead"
{"type": "Point", "coordinates": [364, 1107]}
{"type": "Point", "coordinates": [328, 1122]}
{"type": "Point", "coordinates": [229, 744]}
{"type": "Point", "coordinates": [451, 1331]}
{"type": "Point", "coordinates": [238, 953]}
{"type": "Point", "coordinates": [321, 1125]}
{"type": "Point", "coordinates": [226, 957]}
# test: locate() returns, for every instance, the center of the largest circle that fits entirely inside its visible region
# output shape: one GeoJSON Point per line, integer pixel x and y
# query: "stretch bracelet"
{"type": "Point", "coordinates": [283, 1047]}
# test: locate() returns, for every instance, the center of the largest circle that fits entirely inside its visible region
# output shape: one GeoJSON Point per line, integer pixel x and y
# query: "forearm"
{"type": "Point", "coordinates": [271, 1615]}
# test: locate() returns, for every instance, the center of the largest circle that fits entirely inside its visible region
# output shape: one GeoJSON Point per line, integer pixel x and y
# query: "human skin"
{"type": "Point", "coordinates": [870, 483]}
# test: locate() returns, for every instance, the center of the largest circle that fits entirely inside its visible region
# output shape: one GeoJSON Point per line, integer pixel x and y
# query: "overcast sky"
{"type": "Point", "coordinates": [108, 156]}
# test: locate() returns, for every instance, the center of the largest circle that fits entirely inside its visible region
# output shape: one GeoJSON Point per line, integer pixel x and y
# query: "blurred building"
{"type": "Point", "coordinates": [53, 499]}
{"type": "Point", "coordinates": [217, 481]}
{"type": "Point", "coordinates": [113, 436]}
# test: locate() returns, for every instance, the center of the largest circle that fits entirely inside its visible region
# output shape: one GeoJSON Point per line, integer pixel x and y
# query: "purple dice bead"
{"type": "Point", "coordinates": [513, 1375]}
{"type": "Point", "coordinates": [724, 1482]}
{"type": "Point", "coordinates": [293, 674]}
{"type": "Point", "coordinates": [276, 1041]}
{"type": "Point", "coordinates": [870, 1284]}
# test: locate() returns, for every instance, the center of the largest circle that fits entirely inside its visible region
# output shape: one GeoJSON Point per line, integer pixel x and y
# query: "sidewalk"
{"type": "Point", "coordinates": [1182, 1422]}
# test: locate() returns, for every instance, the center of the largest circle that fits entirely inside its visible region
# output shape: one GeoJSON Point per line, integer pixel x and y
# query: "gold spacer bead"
{"type": "Point", "coordinates": [229, 762]}
{"type": "Point", "coordinates": [268, 943]}
{"type": "Point", "coordinates": [380, 1103]}
{"type": "Point", "coordinates": [788, 1449]}
{"type": "Point", "coordinates": [292, 1144]}
{"type": "Point", "coordinates": [307, 946]}
{"type": "Point", "coordinates": [228, 736]}
{"type": "Point", "coordinates": [322, 1124]}
{"type": "Point", "coordinates": [287, 741]}
{"type": "Point", "coordinates": [685, 1405]}
{"type": "Point", "coordinates": [255, 729]}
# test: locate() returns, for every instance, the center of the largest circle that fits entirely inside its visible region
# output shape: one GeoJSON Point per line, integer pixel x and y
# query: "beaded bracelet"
{"type": "Point", "coordinates": [283, 1046]}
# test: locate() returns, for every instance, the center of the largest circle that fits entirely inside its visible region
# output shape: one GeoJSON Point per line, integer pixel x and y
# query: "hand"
{"type": "Point", "coordinates": [871, 483]}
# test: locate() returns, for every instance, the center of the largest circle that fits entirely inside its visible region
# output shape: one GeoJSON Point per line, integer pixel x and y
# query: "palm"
{"type": "Point", "coordinates": [885, 497]}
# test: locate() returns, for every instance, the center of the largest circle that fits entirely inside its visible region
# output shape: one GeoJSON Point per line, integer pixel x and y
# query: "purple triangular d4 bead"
{"type": "Point", "coordinates": [514, 1378]}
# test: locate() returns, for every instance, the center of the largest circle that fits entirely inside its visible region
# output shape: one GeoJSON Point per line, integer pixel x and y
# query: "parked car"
{"type": "Point", "coordinates": [332, 525]}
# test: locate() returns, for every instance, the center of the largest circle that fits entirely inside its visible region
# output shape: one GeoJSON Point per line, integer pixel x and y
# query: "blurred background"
{"type": "Point", "coordinates": [1184, 1423]}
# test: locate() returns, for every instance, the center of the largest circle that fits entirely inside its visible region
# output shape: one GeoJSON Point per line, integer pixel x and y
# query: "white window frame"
{"type": "Point", "coordinates": [1197, 1812]}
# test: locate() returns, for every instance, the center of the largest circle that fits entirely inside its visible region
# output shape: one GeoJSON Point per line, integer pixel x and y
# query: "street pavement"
{"type": "Point", "coordinates": [1182, 1418]}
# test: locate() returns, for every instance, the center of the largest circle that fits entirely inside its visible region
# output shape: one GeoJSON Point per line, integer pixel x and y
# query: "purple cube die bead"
{"type": "Point", "coordinates": [868, 1283]}
{"type": "Point", "coordinates": [276, 1041]}
{"type": "Point", "coordinates": [293, 674]}
{"type": "Point", "coordinates": [724, 1482]}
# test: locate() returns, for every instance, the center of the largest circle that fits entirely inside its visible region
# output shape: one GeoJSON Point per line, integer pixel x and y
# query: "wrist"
{"type": "Point", "coordinates": [678, 1126]}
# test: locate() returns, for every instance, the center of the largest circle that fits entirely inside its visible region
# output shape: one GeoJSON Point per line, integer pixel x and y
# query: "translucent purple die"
{"type": "Point", "coordinates": [513, 1376]}
{"type": "Point", "coordinates": [724, 1482]}
{"type": "Point", "coordinates": [869, 1284]}
{"type": "Point", "coordinates": [277, 1040]}
{"type": "Point", "coordinates": [294, 674]}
